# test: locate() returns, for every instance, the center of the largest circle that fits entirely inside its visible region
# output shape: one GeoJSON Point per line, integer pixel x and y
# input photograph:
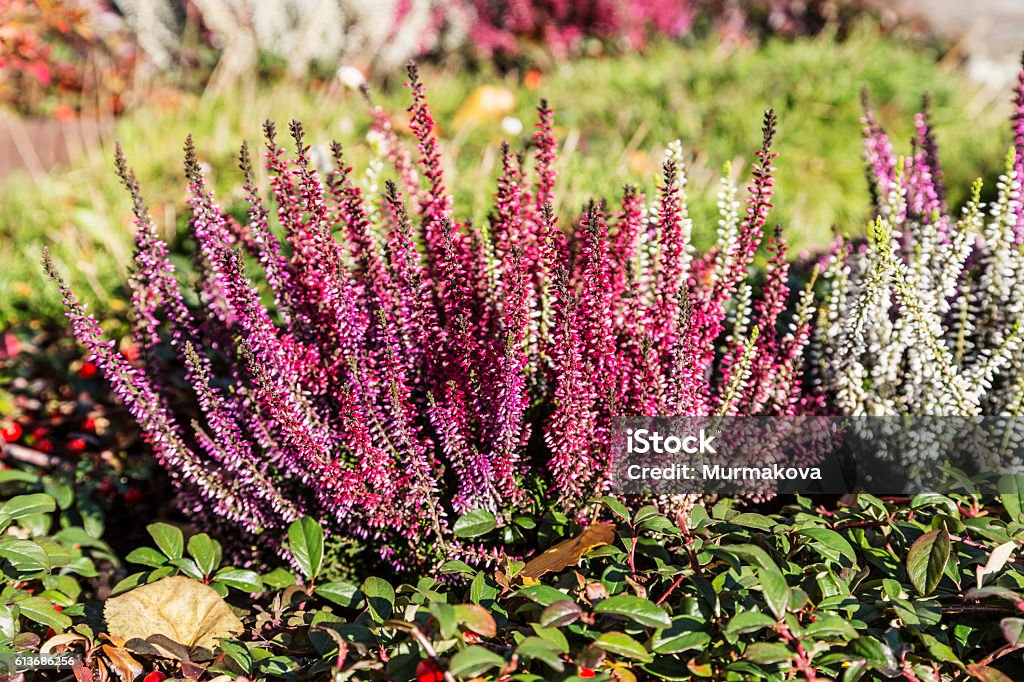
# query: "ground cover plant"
{"type": "Point", "coordinates": [915, 589]}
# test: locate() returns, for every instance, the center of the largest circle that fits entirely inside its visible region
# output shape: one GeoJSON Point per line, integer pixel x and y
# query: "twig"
{"type": "Point", "coordinates": [28, 455]}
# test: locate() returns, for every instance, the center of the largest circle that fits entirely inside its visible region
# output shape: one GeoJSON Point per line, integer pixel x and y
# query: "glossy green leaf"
{"type": "Point", "coordinates": [27, 505]}
{"type": "Point", "coordinates": [306, 541]}
{"type": "Point", "coordinates": [926, 560]}
{"type": "Point", "coordinates": [475, 523]}
{"type": "Point", "coordinates": [341, 593]}
{"type": "Point", "coordinates": [240, 579]}
{"type": "Point", "coordinates": [380, 598]}
{"type": "Point", "coordinates": [642, 611]}
{"type": "Point", "coordinates": [168, 538]}
{"type": "Point", "coordinates": [474, 660]}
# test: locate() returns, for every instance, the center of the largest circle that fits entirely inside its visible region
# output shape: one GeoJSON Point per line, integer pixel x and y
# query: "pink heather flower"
{"type": "Point", "coordinates": [392, 366]}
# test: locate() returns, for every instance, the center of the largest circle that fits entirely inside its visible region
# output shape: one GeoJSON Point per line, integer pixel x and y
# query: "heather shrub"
{"type": "Point", "coordinates": [389, 367]}
{"type": "Point", "coordinates": [924, 318]}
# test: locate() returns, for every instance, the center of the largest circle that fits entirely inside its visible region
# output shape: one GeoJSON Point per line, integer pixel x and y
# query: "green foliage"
{"type": "Point", "coordinates": [45, 560]}
{"type": "Point", "coordinates": [200, 560]}
{"type": "Point", "coordinates": [926, 588]}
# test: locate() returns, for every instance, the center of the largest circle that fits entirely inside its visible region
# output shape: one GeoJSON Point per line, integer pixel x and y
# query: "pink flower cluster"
{"type": "Point", "coordinates": [391, 366]}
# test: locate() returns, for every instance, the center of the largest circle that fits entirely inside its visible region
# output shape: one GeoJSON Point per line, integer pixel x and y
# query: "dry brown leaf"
{"type": "Point", "coordinates": [126, 667]}
{"type": "Point", "coordinates": [169, 615]}
{"type": "Point", "coordinates": [568, 553]}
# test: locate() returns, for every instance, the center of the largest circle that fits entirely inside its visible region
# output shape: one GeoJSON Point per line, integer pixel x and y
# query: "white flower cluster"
{"type": "Point", "coordinates": [924, 319]}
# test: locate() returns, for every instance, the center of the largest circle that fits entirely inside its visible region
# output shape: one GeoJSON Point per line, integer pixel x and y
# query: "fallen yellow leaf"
{"type": "Point", "coordinates": [169, 615]}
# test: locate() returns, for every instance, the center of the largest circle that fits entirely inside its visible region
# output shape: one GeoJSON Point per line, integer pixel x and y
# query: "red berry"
{"type": "Point", "coordinates": [132, 496]}
{"type": "Point", "coordinates": [38, 432]}
{"type": "Point", "coordinates": [89, 425]}
{"type": "Point", "coordinates": [586, 672]}
{"type": "Point", "coordinates": [155, 676]}
{"type": "Point", "coordinates": [11, 431]}
{"type": "Point", "coordinates": [426, 671]}
{"type": "Point", "coordinates": [87, 370]}
{"type": "Point", "coordinates": [76, 445]}
{"type": "Point", "coordinates": [58, 607]}
{"type": "Point", "coordinates": [44, 445]}
{"type": "Point", "coordinates": [470, 638]}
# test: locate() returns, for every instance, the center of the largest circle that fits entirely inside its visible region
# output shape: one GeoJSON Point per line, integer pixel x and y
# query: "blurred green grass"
{"type": "Point", "coordinates": [614, 118]}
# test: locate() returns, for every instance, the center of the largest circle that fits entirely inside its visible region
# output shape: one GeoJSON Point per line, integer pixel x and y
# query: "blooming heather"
{"type": "Point", "coordinates": [925, 317]}
{"type": "Point", "coordinates": [393, 366]}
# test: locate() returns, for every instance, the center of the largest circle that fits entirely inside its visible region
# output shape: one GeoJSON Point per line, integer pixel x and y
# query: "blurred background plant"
{"type": "Point", "coordinates": [59, 58]}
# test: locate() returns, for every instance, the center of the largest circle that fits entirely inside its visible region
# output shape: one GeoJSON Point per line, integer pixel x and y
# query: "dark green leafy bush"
{"type": "Point", "coordinates": [918, 589]}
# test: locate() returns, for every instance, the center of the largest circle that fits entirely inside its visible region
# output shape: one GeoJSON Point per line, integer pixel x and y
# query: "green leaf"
{"type": "Point", "coordinates": [475, 523]}
{"type": "Point", "coordinates": [459, 567]}
{"type": "Point", "coordinates": [830, 626]}
{"type": "Point", "coordinates": [685, 634]}
{"type": "Point", "coordinates": [341, 593]}
{"type": "Point", "coordinates": [306, 540]}
{"type": "Point", "coordinates": [1011, 493]}
{"type": "Point", "coordinates": [553, 635]}
{"type": "Point", "coordinates": [204, 551]}
{"type": "Point", "coordinates": [623, 645]}
{"type": "Point", "coordinates": [560, 613]}
{"type": "Point", "coordinates": [168, 538]}
{"type": "Point", "coordinates": [25, 556]}
{"type": "Point", "coordinates": [775, 589]}
{"type": "Point", "coordinates": [926, 560]}
{"type": "Point", "coordinates": [877, 653]}
{"type": "Point", "coordinates": [239, 653]}
{"type": "Point", "coordinates": [940, 651]}
{"type": "Point", "coordinates": [830, 539]}
{"type": "Point", "coordinates": [41, 611]}
{"type": "Point", "coordinates": [278, 579]}
{"type": "Point", "coordinates": [380, 598]}
{"type": "Point", "coordinates": [240, 579]}
{"type": "Point", "coordinates": [545, 595]}
{"type": "Point", "coordinates": [749, 520]}
{"type": "Point", "coordinates": [444, 615]}
{"type": "Point", "coordinates": [146, 556]}
{"type": "Point", "coordinates": [27, 505]}
{"type": "Point", "coordinates": [642, 611]}
{"type": "Point", "coordinates": [188, 567]}
{"type": "Point", "coordinates": [62, 493]}
{"type": "Point", "coordinates": [476, 618]}
{"type": "Point", "coordinates": [768, 652]}
{"type": "Point", "coordinates": [541, 650]}
{"type": "Point", "coordinates": [474, 660]}
{"type": "Point", "coordinates": [616, 507]}
{"type": "Point", "coordinates": [748, 621]}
